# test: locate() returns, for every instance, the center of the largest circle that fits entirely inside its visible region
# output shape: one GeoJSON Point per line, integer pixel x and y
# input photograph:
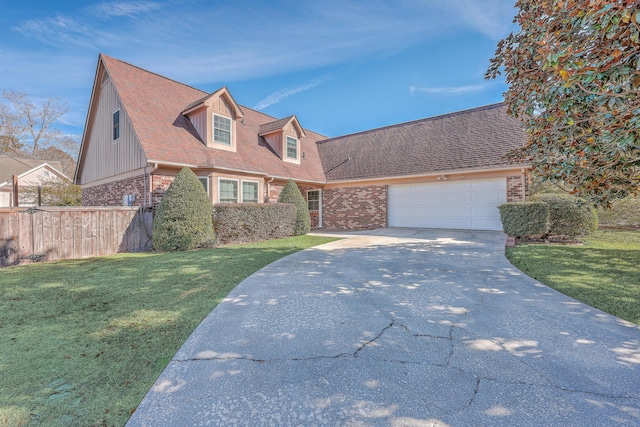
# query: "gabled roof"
{"type": "Point", "coordinates": [475, 139]}
{"type": "Point", "coordinates": [202, 102]}
{"type": "Point", "coordinates": [12, 165]}
{"type": "Point", "coordinates": [278, 125]}
{"type": "Point", "coordinates": [155, 106]}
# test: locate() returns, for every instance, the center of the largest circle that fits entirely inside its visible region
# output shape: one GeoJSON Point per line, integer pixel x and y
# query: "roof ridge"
{"type": "Point", "coordinates": [153, 72]}
{"type": "Point", "coordinates": [427, 119]}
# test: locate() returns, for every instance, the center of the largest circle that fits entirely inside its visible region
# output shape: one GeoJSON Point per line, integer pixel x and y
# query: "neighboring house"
{"type": "Point", "coordinates": [31, 173]}
{"type": "Point", "coordinates": [446, 171]}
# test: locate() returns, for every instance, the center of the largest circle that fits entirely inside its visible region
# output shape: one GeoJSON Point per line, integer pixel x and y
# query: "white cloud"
{"type": "Point", "coordinates": [493, 18]}
{"type": "Point", "coordinates": [123, 8]}
{"type": "Point", "coordinates": [449, 90]}
{"type": "Point", "coordinates": [57, 30]}
{"type": "Point", "coordinates": [281, 94]}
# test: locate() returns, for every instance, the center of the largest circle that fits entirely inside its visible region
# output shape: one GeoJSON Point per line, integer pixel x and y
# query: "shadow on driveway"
{"type": "Point", "coordinates": [400, 327]}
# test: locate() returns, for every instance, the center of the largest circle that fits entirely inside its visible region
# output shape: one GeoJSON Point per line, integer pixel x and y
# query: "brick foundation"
{"type": "Point", "coordinates": [355, 208]}
{"type": "Point", "coordinates": [514, 188]}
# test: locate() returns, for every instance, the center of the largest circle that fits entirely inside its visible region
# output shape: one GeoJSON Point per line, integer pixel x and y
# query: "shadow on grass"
{"type": "Point", "coordinates": [608, 279]}
{"type": "Point", "coordinates": [83, 340]}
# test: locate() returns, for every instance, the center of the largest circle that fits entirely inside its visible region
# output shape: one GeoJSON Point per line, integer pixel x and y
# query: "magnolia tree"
{"type": "Point", "coordinates": [573, 71]}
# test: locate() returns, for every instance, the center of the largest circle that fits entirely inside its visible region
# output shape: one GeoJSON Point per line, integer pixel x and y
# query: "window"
{"type": "Point", "coordinates": [292, 148]}
{"type": "Point", "coordinates": [313, 200]}
{"type": "Point", "coordinates": [250, 191]}
{"type": "Point", "coordinates": [116, 125]}
{"type": "Point", "coordinates": [204, 180]}
{"type": "Point", "coordinates": [221, 130]}
{"type": "Point", "coordinates": [228, 191]}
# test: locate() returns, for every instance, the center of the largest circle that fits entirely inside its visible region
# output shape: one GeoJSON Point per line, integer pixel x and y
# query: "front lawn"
{"type": "Point", "coordinates": [604, 273]}
{"type": "Point", "coordinates": [82, 341]}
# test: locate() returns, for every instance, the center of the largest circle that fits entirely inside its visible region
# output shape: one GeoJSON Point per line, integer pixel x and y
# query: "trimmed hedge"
{"type": "Point", "coordinates": [568, 217]}
{"type": "Point", "coordinates": [183, 218]}
{"type": "Point", "coordinates": [253, 222]}
{"type": "Point", "coordinates": [291, 194]}
{"type": "Point", "coordinates": [524, 219]}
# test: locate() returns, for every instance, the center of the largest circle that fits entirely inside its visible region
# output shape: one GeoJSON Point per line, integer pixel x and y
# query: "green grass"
{"type": "Point", "coordinates": [604, 273]}
{"type": "Point", "coordinates": [82, 341]}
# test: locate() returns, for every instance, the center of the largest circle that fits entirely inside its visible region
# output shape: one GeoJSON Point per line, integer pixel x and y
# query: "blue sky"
{"type": "Point", "coordinates": [341, 66]}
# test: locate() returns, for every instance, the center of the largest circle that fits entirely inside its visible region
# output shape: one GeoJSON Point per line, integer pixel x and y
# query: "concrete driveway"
{"type": "Point", "coordinates": [400, 327]}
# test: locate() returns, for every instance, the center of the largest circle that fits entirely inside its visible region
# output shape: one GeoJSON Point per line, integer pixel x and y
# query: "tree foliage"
{"type": "Point", "coordinates": [53, 192]}
{"type": "Point", "coordinates": [184, 218]}
{"type": "Point", "coordinates": [28, 126]}
{"type": "Point", "coordinates": [291, 194]}
{"type": "Point", "coordinates": [573, 71]}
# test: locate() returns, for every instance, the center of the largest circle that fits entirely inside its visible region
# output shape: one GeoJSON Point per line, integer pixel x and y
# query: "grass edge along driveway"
{"type": "Point", "coordinates": [603, 273]}
{"type": "Point", "coordinates": [82, 341]}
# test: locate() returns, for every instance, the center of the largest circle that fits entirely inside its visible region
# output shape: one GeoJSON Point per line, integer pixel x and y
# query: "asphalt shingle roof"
{"type": "Point", "coordinates": [12, 165]}
{"type": "Point", "coordinates": [473, 139]}
{"type": "Point", "coordinates": [155, 104]}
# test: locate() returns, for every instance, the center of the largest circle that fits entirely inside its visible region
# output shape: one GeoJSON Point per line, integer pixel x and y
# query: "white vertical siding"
{"type": "Point", "coordinates": [104, 157]}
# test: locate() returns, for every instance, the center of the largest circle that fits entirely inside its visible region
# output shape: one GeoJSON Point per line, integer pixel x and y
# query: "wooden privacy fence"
{"type": "Point", "coordinates": [53, 233]}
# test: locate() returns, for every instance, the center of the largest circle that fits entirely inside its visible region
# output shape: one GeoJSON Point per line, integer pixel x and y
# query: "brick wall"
{"type": "Point", "coordinates": [514, 188]}
{"type": "Point", "coordinates": [355, 208]}
{"type": "Point", "coordinates": [111, 194]}
{"type": "Point", "coordinates": [160, 185]}
{"type": "Point", "coordinates": [274, 192]}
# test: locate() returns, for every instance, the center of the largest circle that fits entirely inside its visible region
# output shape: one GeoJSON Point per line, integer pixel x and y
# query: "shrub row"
{"type": "Point", "coordinates": [548, 215]}
{"type": "Point", "coordinates": [252, 222]}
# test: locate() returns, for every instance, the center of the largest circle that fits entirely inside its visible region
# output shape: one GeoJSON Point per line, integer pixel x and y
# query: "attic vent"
{"type": "Point", "coordinates": [105, 77]}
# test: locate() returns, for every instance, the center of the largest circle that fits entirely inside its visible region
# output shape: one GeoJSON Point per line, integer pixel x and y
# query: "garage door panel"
{"type": "Point", "coordinates": [468, 204]}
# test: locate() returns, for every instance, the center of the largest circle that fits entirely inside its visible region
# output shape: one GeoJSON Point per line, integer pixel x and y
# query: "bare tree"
{"type": "Point", "coordinates": [25, 125]}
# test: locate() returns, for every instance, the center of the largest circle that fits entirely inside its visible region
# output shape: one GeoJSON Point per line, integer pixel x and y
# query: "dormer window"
{"type": "Point", "coordinates": [221, 130]}
{"type": "Point", "coordinates": [292, 148]}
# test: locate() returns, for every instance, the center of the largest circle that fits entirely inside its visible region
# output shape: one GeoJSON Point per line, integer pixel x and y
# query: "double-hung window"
{"type": "Point", "coordinates": [313, 200]}
{"type": "Point", "coordinates": [228, 190]}
{"type": "Point", "coordinates": [116, 125]}
{"type": "Point", "coordinates": [292, 148]}
{"type": "Point", "coordinates": [221, 130]}
{"type": "Point", "coordinates": [205, 183]}
{"type": "Point", "coordinates": [250, 191]}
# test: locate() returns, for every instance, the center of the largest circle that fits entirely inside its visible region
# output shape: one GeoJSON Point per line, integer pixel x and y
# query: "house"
{"type": "Point", "coordinates": [446, 171]}
{"type": "Point", "coordinates": [31, 173]}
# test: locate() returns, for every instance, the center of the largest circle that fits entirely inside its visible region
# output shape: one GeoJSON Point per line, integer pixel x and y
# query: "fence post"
{"type": "Point", "coordinates": [15, 190]}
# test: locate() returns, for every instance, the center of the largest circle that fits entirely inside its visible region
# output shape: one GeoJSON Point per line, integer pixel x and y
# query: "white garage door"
{"type": "Point", "coordinates": [468, 205]}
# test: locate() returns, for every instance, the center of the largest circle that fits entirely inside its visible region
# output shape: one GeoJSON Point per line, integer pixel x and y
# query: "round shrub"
{"type": "Point", "coordinates": [184, 218]}
{"type": "Point", "coordinates": [524, 219]}
{"type": "Point", "coordinates": [568, 217]}
{"type": "Point", "coordinates": [291, 194]}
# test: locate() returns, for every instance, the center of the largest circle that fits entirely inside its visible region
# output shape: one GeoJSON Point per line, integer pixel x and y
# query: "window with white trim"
{"type": "Point", "coordinates": [292, 148]}
{"type": "Point", "coordinates": [221, 130]}
{"type": "Point", "coordinates": [250, 191]}
{"type": "Point", "coordinates": [313, 200]}
{"type": "Point", "coordinates": [228, 190]}
{"type": "Point", "coordinates": [116, 125]}
{"type": "Point", "coordinates": [204, 180]}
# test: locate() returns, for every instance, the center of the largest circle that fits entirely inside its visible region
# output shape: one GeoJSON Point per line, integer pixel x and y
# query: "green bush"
{"type": "Point", "coordinates": [623, 213]}
{"type": "Point", "coordinates": [183, 219]}
{"type": "Point", "coordinates": [253, 222]}
{"type": "Point", "coordinates": [524, 219]}
{"type": "Point", "coordinates": [568, 217]}
{"type": "Point", "coordinates": [291, 194]}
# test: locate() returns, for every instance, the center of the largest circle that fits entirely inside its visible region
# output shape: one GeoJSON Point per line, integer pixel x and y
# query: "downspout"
{"type": "Point", "coordinates": [523, 177]}
{"type": "Point", "coordinates": [320, 208]}
{"type": "Point", "coordinates": [153, 169]}
{"type": "Point", "coordinates": [269, 190]}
